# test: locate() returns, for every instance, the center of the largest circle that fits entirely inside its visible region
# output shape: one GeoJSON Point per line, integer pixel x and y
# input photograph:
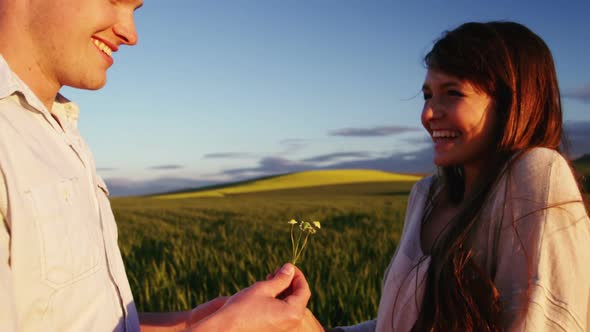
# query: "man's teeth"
{"type": "Point", "coordinates": [445, 134]}
{"type": "Point", "coordinates": [103, 47]}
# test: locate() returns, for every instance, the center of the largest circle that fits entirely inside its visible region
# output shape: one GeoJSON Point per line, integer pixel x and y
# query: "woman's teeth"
{"type": "Point", "coordinates": [445, 134]}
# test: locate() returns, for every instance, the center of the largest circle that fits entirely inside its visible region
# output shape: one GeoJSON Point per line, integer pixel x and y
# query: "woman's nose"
{"type": "Point", "coordinates": [432, 111]}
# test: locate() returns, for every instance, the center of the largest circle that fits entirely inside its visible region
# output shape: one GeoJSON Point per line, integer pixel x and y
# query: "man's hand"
{"type": "Point", "coordinates": [309, 323]}
{"type": "Point", "coordinates": [178, 321]}
{"type": "Point", "coordinates": [205, 309]}
{"type": "Point", "coordinates": [257, 308]}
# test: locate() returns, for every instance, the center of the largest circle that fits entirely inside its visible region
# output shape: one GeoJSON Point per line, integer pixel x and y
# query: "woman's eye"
{"type": "Point", "coordinates": [427, 96]}
{"type": "Point", "coordinates": [455, 93]}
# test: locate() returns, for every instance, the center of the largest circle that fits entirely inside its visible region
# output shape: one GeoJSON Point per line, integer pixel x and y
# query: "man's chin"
{"type": "Point", "coordinates": [88, 83]}
{"type": "Point", "coordinates": [91, 86]}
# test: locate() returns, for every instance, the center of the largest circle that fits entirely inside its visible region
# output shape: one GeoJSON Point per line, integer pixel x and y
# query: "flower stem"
{"type": "Point", "coordinates": [296, 248]}
{"type": "Point", "coordinates": [300, 253]}
{"type": "Point", "coordinates": [292, 245]}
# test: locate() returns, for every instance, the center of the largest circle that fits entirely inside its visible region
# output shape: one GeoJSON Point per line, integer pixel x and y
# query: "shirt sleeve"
{"type": "Point", "coordinates": [543, 261]}
{"type": "Point", "coordinates": [3, 199]}
{"type": "Point", "coordinates": [7, 309]}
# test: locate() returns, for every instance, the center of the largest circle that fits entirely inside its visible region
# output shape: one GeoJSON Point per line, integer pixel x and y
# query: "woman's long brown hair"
{"type": "Point", "coordinates": [514, 66]}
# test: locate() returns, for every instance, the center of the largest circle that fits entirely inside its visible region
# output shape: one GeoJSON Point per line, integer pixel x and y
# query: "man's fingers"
{"type": "Point", "coordinates": [280, 281]}
{"type": "Point", "coordinates": [300, 292]}
{"type": "Point", "coordinates": [271, 275]}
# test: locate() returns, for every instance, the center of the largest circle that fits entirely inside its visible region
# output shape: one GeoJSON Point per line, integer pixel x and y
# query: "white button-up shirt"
{"type": "Point", "coordinates": [60, 265]}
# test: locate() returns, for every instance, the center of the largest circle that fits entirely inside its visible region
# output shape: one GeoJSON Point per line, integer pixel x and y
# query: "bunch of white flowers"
{"type": "Point", "coordinates": [303, 227]}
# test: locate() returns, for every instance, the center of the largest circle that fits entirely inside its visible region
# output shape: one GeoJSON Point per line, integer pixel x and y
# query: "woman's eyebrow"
{"type": "Point", "coordinates": [444, 85]}
{"type": "Point", "coordinates": [451, 84]}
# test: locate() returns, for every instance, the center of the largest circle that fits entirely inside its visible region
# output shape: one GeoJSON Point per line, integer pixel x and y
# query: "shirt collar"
{"type": "Point", "coordinates": [10, 84]}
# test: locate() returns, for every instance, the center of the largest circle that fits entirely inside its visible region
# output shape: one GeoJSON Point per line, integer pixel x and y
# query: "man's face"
{"type": "Point", "coordinates": [74, 39]}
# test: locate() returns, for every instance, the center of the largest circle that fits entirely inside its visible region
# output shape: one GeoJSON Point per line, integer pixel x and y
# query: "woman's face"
{"type": "Point", "coordinates": [460, 120]}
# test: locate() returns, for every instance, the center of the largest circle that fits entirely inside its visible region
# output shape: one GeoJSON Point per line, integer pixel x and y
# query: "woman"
{"type": "Point", "coordinates": [499, 239]}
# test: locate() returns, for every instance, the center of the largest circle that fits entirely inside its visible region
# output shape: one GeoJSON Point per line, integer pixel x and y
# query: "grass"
{"type": "Point", "coordinates": [182, 252]}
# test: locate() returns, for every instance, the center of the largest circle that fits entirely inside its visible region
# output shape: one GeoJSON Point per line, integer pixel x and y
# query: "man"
{"type": "Point", "coordinates": [60, 266]}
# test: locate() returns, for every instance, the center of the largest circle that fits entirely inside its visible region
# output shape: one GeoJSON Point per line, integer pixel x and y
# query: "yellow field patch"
{"type": "Point", "coordinates": [300, 180]}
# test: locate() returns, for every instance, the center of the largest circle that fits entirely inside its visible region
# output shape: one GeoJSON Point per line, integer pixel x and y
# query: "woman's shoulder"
{"type": "Point", "coordinates": [541, 172]}
{"type": "Point", "coordinates": [420, 190]}
{"type": "Point", "coordinates": [423, 185]}
{"type": "Point", "coordinates": [418, 195]}
{"type": "Point", "coordinates": [535, 160]}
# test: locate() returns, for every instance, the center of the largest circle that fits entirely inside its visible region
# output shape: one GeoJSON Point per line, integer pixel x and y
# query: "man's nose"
{"type": "Point", "coordinates": [125, 30]}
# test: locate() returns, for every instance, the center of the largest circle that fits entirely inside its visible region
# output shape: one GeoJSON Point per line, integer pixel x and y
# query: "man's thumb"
{"type": "Point", "coordinates": [281, 280]}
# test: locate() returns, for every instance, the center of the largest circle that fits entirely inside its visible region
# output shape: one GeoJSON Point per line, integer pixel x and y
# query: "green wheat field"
{"type": "Point", "coordinates": [183, 249]}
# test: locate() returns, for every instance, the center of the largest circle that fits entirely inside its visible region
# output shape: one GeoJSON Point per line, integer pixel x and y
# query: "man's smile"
{"type": "Point", "coordinates": [103, 47]}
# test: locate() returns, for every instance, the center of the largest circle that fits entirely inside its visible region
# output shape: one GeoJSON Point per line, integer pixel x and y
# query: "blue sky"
{"type": "Point", "coordinates": [218, 90]}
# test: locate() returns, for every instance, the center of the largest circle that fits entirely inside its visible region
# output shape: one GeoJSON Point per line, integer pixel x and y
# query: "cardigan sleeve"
{"type": "Point", "coordinates": [543, 258]}
{"type": "Point", "coordinates": [368, 326]}
{"type": "Point", "coordinates": [419, 191]}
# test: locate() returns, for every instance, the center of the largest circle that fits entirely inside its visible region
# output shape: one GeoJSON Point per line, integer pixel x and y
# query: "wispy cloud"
{"type": "Point", "coordinates": [582, 93]}
{"type": "Point", "coordinates": [418, 161]}
{"type": "Point", "coordinates": [292, 145]}
{"type": "Point", "coordinates": [125, 187]}
{"type": "Point", "coordinates": [337, 156]}
{"type": "Point", "coordinates": [166, 167]}
{"type": "Point", "coordinates": [229, 155]}
{"type": "Point", "coordinates": [372, 132]}
{"type": "Point", "coordinates": [290, 141]}
{"type": "Point", "coordinates": [421, 139]}
{"type": "Point", "coordinates": [267, 166]}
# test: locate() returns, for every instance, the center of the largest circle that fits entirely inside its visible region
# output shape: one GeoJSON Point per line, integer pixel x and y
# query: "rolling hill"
{"type": "Point", "coordinates": [304, 179]}
{"type": "Point", "coordinates": [317, 178]}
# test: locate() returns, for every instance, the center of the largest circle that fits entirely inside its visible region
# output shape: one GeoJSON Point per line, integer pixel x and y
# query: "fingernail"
{"type": "Point", "coordinates": [287, 269]}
